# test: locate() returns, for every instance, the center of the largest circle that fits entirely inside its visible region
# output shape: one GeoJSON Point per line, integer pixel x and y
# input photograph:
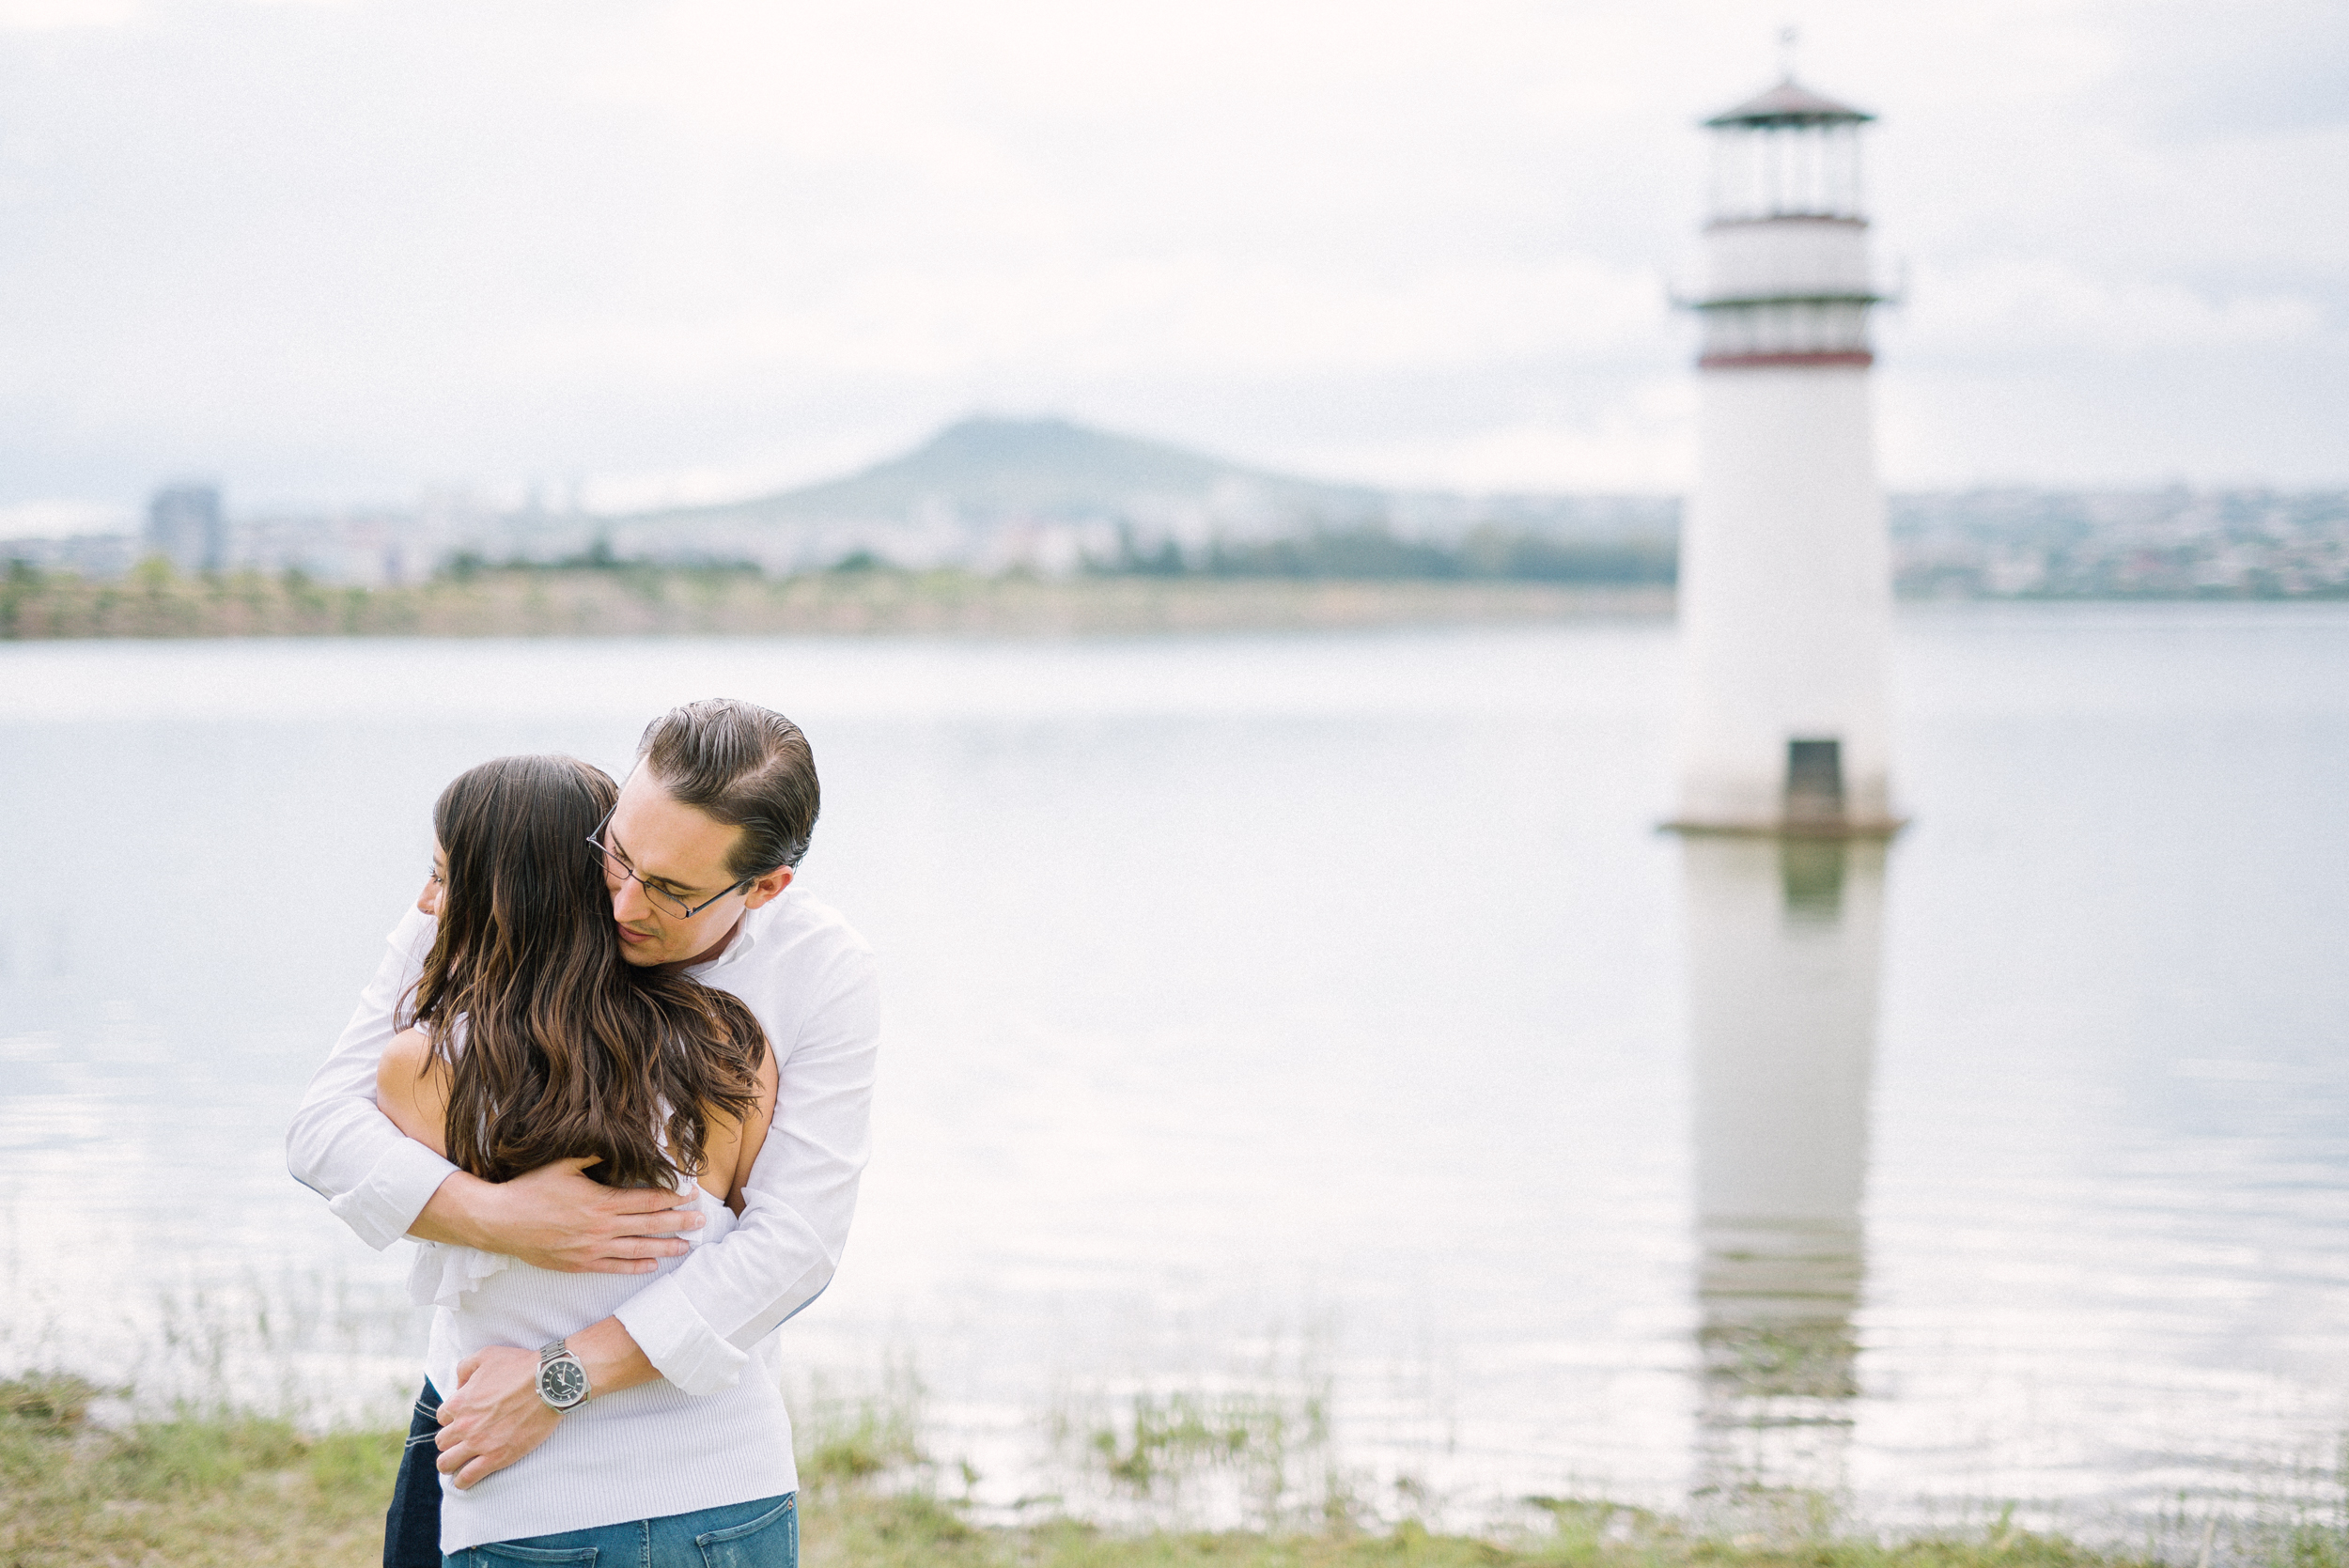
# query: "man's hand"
{"type": "Point", "coordinates": [494, 1418]}
{"type": "Point", "coordinates": [555, 1218]}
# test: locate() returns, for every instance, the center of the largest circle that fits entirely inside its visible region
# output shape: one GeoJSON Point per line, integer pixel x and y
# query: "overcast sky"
{"type": "Point", "coordinates": [332, 252]}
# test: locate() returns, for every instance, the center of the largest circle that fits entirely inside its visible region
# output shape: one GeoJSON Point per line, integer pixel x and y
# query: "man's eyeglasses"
{"type": "Point", "coordinates": [616, 864]}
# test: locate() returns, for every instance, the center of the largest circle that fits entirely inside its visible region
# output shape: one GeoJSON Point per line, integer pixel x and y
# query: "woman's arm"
{"type": "Point", "coordinates": [340, 1145]}
{"type": "Point", "coordinates": [412, 1086]}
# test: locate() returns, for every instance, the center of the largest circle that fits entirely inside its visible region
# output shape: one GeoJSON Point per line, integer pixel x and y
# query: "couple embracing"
{"type": "Point", "coordinates": [613, 1079]}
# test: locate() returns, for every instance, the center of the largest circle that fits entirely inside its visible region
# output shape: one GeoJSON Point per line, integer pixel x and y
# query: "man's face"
{"type": "Point", "coordinates": [679, 851]}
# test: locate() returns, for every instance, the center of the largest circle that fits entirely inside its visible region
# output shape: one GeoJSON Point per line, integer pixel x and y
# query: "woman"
{"type": "Point", "coordinates": [531, 1040]}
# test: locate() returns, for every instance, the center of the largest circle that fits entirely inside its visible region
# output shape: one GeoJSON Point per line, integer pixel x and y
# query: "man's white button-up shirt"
{"type": "Point", "coordinates": [810, 982]}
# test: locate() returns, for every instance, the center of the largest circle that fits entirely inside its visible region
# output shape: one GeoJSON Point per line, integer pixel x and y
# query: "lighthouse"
{"type": "Point", "coordinates": [1785, 572]}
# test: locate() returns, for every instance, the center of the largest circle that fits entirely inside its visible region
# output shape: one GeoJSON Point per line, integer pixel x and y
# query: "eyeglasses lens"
{"type": "Point", "coordinates": [613, 868]}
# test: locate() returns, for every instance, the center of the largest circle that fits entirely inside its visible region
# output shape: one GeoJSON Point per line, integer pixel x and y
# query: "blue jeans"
{"type": "Point", "coordinates": [411, 1525]}
{"type": "Point", "coordinates": [761, 1534]}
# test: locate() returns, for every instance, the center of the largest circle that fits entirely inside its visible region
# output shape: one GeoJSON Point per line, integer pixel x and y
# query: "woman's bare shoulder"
{"type": "Point", "coordinates": [730, 1147]}
{"type": "Point", "coordinates": [411, 1051]}
{"type": "Point", "coordinates": [412, 1088]}
{"type": "Point", "coordinates": [751, 1136]}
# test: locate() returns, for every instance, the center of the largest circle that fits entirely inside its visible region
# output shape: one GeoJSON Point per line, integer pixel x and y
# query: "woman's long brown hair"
{"type": "Point", "coordinates": [559, 1047]}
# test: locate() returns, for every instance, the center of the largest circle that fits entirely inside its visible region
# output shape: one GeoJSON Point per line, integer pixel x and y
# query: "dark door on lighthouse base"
{"type": "Point", "coordinates": [1814, 781]}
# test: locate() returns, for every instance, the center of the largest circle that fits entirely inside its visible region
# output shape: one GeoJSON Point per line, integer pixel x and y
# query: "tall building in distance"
{"type": "Point", "coordinates": [1785, 570]}
{"type": "Point", "coordinates": [184, 527]}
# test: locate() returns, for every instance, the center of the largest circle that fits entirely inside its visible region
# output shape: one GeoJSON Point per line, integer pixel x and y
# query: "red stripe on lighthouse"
{"type": "Point", "coordinates": [1858, 359]}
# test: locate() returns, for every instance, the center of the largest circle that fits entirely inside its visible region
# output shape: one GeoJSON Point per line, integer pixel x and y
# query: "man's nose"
{"type": "Point", "coordinates": [628, 900]}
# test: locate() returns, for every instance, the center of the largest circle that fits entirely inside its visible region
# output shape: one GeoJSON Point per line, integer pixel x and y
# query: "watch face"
{"type": "Point", "coordinates": [562, 1383]}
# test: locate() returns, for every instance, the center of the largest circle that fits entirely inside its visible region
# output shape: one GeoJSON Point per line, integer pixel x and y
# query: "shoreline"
{"type": "Point", "coordinates": [255, 1492]}
{"type": "Point", "coordinates": [683, 602]}
{"type": "Point", "coordinates": [635, 601]}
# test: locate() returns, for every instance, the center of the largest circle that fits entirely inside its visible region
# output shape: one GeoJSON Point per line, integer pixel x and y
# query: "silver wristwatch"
{"type": "Point", "coordinates": [562, 1381]}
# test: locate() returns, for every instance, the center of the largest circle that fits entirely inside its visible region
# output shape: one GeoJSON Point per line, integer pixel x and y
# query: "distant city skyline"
{"type": "Point", "coordinates": [340, 253]}
{"type": "Point", "coordinates": [1054, 498]}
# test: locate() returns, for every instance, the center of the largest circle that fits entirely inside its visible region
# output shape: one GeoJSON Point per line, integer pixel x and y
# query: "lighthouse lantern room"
{"type": "Point", "coordinates": [1785, 573]}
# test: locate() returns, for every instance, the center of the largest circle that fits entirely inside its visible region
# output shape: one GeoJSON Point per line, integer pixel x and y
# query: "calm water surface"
{"type": "Point", "coordinates": [1314, 1030]}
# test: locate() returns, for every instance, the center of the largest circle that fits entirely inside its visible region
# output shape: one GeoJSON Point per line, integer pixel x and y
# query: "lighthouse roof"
{"type": "Point", "coordinates": [1789, 103]}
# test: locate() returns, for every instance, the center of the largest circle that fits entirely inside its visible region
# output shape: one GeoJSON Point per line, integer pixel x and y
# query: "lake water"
{"type": "Point", "coordinates": [1311, 1034]}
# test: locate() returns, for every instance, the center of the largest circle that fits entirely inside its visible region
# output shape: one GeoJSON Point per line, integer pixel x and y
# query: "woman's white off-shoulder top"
{"type": "Point", "coordinates": [636, 1453]}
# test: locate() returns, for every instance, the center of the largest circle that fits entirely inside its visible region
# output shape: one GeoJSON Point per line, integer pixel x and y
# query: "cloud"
{"type": "Point", "coordinates": [1643, 441]}
{"type": "Point", "coordinates": [44, 16]}
{"type": "Point", "coordinates": [337, 250]}
{"type": "Point", "coordinates": [38, 16]}
{"type": "Point", "coordinates": [1184, 315]}
{"type": "Point", "coordinates": [2200, 70]}
{"type": "Point", "coordinates": [2013, 306]}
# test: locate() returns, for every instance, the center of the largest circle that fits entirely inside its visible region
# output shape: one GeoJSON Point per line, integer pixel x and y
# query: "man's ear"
{"type": "Point", "coordinates": [768, 887]}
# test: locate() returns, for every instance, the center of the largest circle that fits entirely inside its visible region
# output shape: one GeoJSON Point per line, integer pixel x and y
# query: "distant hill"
{"type": "Point", "coordinates": [1044, 467]}
{"type": "Point", "coordinates": [1051, 493]}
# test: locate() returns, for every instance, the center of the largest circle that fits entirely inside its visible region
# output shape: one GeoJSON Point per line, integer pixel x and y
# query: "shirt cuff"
{"type": "Point", "coordinates": [381, 1208]}
{"type": "Point", "coordinates": [678, 1341]}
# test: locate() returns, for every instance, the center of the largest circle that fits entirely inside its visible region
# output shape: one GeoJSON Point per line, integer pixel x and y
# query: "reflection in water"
{"type": "Point", "coordinates": [1784, 938]}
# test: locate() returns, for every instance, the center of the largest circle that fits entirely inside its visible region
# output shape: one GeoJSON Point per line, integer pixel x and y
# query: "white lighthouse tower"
{"type": "Point", "coordinates": [1785, 573]}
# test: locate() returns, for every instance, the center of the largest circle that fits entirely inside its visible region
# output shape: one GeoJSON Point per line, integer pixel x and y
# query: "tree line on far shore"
{"type": "Point", "coordinates": [1489, 554]}
{"type": "Point", "coordinates": [1360, 552]}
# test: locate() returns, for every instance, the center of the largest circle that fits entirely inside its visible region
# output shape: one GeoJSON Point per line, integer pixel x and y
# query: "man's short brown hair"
{"type": "Point", "coordinates": [745, 766]}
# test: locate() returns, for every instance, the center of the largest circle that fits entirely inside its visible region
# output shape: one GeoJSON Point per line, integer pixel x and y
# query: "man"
{"type": "Point", "coordinates": [700, 854]}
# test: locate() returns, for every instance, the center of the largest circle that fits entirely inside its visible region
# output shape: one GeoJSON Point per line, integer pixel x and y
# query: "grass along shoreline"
{"type": "Point", "coordinates": [199, 1490]}
{"type": "Point", "coordinates": [637, 601]}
